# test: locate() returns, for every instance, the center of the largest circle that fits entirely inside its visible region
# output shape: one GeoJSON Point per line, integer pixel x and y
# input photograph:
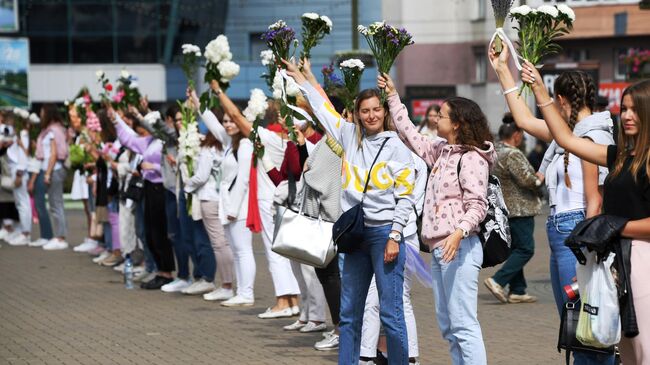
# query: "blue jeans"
{"type": "Point", "coordinates": [358, 268]}
{"type": "Point", "coordinates": [455, 291]}
{"type": "Point", "coordinates": [44, 224]}
{"type": "Point", "coordinates": [563, 270]}
{"type": "Point", "coordinates": [192, 235]}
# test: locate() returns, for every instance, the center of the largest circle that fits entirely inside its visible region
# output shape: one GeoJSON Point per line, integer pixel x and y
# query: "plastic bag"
{"type": "Point", "coordinates": [599, 324]}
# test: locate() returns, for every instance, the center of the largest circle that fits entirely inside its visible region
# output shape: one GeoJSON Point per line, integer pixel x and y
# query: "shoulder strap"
{"type": "Point", "coordinates": [373, 164]}
{"type": "Point", "coordinates": [460, 160]}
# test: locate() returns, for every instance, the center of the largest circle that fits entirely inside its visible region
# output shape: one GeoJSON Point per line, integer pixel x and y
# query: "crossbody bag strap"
{"type": "Point", "coordinates": [365, 188]}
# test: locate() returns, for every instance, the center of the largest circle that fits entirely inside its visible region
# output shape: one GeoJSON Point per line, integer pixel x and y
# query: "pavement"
{"type": "Point", "coordinates": [60, 308]}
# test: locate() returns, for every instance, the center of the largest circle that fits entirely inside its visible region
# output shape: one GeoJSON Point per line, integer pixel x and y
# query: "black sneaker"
{"type": "Point", "coordinates": [156, 283]}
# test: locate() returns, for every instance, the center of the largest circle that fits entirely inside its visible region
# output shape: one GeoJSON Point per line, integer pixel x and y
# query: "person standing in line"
{"type": "Point", "coordinates": [429, 125]}
{"type": "Point", "coordinates": [520, 188]}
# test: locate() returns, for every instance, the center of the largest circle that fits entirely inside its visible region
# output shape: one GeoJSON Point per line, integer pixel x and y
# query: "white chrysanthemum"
{"type": "Point", "coordinates": [256, 106]}
{"type": "Point", "coordinates": [125, 74]}
{"type": "Point", "coordinates": [521, 10]}
{"type": "Point", "coordinates": [353, 63]}
{"type": "Point", "coordinates": [312, 16]}
{"type": "Point", "coordinates": [218, 50]}
{"type": "Point", "coordinates": [152, 117]}
{"type": "Point", "coordinates": [34, 119]}
{"type": "Point", "coordinates": [277, 25]}
{"type": "Point", "coordinates": [548, 9]}
{"type": "Point", "coordinates": [566, 10]}
{"type": "Point", "coordinates": [191, 48]}
{"type": "Point", "coordinates": [327, 21]}
{"type": "Point", "coordinates": [79, 101]}
{"type": "Point", "coordinates": [267, 57]}
{"type": "Point", "coordinates": [133, 85]}
{"type": "Point", "coordinates": [228, 70]}
{"type": "Point", "coordinates": [99, 74]}
{"type": "Point", "coordinates": [277, 86]}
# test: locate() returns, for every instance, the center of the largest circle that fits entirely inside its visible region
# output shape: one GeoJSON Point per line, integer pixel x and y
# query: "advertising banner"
{"type": "Point", "coordinates": [8, 16]}
{"type": "Point", "coordinates": [14, 66]}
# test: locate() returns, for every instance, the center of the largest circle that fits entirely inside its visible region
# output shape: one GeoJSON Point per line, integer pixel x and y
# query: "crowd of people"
{"type": "Point", "coordinates": [184, 226]}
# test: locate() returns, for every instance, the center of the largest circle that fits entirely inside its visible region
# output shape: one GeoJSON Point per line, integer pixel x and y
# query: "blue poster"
{"type": "Point", "coordinates": [8, 16]}
{"type": "Point", "coordinates": [14, 66]}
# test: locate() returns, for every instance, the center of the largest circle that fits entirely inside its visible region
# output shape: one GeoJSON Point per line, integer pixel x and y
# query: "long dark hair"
{"type": "Point", "coordinates": [51, 114]}
{"type": "Point", "coordinates": [425, 121]}
{"type": "Point", "coordinates": [473, 126]}
{"type": "Point", "coordinates": [579, 89]}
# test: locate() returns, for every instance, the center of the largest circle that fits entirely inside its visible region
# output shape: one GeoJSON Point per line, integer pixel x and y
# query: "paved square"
{"type": "Point", "coordinates": [60, 308]}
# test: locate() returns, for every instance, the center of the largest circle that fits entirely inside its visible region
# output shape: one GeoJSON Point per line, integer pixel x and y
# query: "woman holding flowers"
{"type": "Point", "coordinates": [574, 184]}
{"type": "Point", "coordinates": [284, 282]}
{"type": "Point", "coordinates": [626, 189]}
{"type": "Point", "coordinates": [386, 208]}
{"type": "Point", "coordinates": [455, 205]}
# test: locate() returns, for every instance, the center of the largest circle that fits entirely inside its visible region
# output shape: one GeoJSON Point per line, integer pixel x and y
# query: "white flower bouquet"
{"type": "Point", "coordinates": [220, 67]}
{"type": "Point", "coordinates": [191, 55]}
{"type": "Point", "coordinates": [352, 70]}
{"type": "Point", "coordinates": [127, 91]}
{"type": "Point", "coordinates": [268, 61]}
{"type": "Point", "coordinates": [314, 29]}
{"type": "Point", "coordinates": [107, 87]}
{"type": "Point", "coordinates": [189, 143]}
{"type": "Point", "coordinates": [254, 113]}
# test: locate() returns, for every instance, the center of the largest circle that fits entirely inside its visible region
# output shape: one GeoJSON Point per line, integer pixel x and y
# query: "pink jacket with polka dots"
{"type": "Point", "coordinates": [450, 202]}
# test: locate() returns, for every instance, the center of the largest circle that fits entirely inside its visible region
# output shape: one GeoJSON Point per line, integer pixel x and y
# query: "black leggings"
{"type": "Point", "coordinates": [330, 279]}
{"type": "Point", "coordinates": [155, 226]}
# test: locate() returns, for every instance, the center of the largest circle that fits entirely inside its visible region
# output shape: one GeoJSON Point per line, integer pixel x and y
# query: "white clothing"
{"type": "Point", "coordinates": [16, 156]}
{"type": "Point", "coordinates": [280, 267]}
{"type": "Point", "coordinates": [206, 179]}
{"type": "Point", "coordinates": [574, 198]}
{"type": "Point", "coordinates": [274, 147]}
{"type": "Point", "coordinates": [47, 151]}
{"type": "Point", "coordinates": [23, 204]}
{"type": "Point", "coordinates": [312, 296]}
{"type": "Point", "coordinates": [421, 176]}
{"type": "Point", "coordinates": [235, 176]}
{"type": "Point", "coordinates": [79, 190]}
{"type": "Point", "coordinates": [241, 242]}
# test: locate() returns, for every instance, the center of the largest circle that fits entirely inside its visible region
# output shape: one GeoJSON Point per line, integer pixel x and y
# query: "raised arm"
{"type": "Point", "coordinates": [232, 110]}
{"type": "Point", "coordinates": [211, 121]}
{"type": "Point", "coordinates": [582, 147]}
{"type": "Point", "coordinates": [426, 148]}
{"type": "Point", "coordinates": [127, 136]}
{"type": "Point", "coordinates": [522, 115]}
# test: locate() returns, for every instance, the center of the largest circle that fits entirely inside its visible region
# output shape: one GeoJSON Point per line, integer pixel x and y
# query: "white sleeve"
{"type": "Point", "coordinates": [202, 172]}
{"type": "Point", "coordinates": [215, 127]}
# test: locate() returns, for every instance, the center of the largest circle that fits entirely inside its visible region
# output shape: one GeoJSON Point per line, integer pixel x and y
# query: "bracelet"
{"type": "Point", "coordinates": [217, 92]}
{"type": "Point", "coordinates": [545, 104]}
{"type": "Point", "coordinates": [512, 89]}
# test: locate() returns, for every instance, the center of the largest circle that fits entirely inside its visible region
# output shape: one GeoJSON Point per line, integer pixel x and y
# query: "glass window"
{"type": "Point", "coordinates": [138, 48]}
{"type": "Point", "coordinates": [48, 49]}
{"type": "Point", "coordinates": [92, 17]}
{"type": "Point", "coordinates": [480, 65]}
{"type": "Point", "coordinates": [92, 50]}
{"type": "Point", "coordinates": [256, 46]}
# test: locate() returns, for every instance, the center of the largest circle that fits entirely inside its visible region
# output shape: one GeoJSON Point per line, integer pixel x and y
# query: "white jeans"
{"type": "Point", "coordinates": [128, 238]}
{"type": "Point", "coordinates": [241, 241]}
{"type": "Point", "coordinates": [312, 296]}
{"type": "Point", "coordinates": [280, 267]}
{"type": "Point", "coordinates": [23, 204]}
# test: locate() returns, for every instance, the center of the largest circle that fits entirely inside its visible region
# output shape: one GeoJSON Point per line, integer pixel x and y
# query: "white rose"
{"type": "Point", "coordinates": [327, 21]}
{"type": "Point", "coordinates": [228, 70]}
{"type": "Point", "coordinates": [218, 50]}
{"type": "Point", "coordinates": [548, 9]}
{"type": "Point", "coordinates": [312, 16]}
{"type": "Point", "coordinates": [564, 9]}
{"type": "Point", "coordinates": [99, 74]}
{"type": "Point", "coordinates": [125, 74]}
{"type": "Point", "coordinates": [191, 48]}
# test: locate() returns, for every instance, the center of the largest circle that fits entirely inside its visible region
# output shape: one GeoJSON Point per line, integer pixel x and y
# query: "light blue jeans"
{"type": "Point", "coordinates": [44, 224]}
{"type": "Point", "coordinates": [358, 268]}
{"type": "Point", "coordinates": [455, 291]}
{"type": "Point", "coordinates": [563, 270]}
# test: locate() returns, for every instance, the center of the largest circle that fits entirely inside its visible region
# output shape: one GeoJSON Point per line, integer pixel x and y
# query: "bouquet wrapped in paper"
{"type": "Point", "coordinates": [314, 28]}
{"type": "Point", "coordinates": [385, 42]}
{"type": "Point", "coordinates": [352, 70]}
{"type": "Point", "coordinates": [220, 67]}
{"type": "Point", "coordinates": [538, 28]}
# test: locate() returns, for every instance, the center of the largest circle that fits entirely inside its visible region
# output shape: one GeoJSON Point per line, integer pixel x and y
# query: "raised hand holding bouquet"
{"type": "Point", "coordinates": [538, 29]}
{"type": "Point", "coordinates": [220, 67]}
{"type": "Point", "coordinates": [501, 9]}
{"type": "Point", "coordinates": [191, 55]}
{"type": "Point", "coordinates": [314, 29]}
{"type": "Point", "coordinates": [385, 42]}
{"type": "Point", "coordinates": [352, 70]}
{"type": "Point", "coordinates": [127, 91]}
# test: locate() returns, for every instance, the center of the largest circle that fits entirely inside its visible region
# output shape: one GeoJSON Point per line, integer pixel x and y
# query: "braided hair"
{"type": "Point", "coordinates": [579, 89]}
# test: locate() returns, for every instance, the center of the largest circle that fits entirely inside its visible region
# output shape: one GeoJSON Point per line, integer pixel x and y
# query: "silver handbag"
{"type": "Point", "coordinates": [302, 238]}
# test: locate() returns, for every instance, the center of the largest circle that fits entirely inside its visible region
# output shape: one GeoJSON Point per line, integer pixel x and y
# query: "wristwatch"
{"type": "Point", "coordinates": [465, 232]}
{"type": "Point", "coordinates": [395, 236]}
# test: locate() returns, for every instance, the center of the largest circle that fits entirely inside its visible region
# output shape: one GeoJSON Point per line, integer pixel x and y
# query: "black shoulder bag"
{"type": "Point", "coordinates": [347, 232]}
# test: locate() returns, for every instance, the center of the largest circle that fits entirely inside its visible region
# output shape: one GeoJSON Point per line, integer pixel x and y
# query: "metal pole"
{"type": "Point", "coordinates": [355, 24]}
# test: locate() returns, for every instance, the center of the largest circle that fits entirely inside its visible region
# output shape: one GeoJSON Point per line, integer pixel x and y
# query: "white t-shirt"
{"type": "Point", "coordinates": [47, 151]}
{"type": "Point", "coordinates": [569, 199]}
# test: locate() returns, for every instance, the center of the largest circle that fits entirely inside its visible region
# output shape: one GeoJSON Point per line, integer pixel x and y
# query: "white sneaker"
{"type": "Point", "coordinates": [328, 343]}
{"type": "Point", "coordinates": [20, 240]}
{"type": "Point", "coordinates": [176, 286]}
{"type": "Point", "coordinates": [313, 327]}
{"type": "Point", "coordinates": [238, 301]}
{"type": "Point", "coordinates": [219, 294]}
{"type": "Point", "coordinates": [38, 243]}
{"type": "Point", "coordinates": [199, 287]}
{"type": "Point", "coordinates": [119, 268]}
{"type": "Point", "coordinates": [12, 236]}
{"type": "Point", "coordinates": [329, 333]}
{"type": "Point", "coordinates": [102, 256]}
{"type": "Point", "coordinates": [144, 276]}
{"type": "Point", "coordinates": [295, 310]}
{"type": "Point", "coordinates": [282, 313]}
{"type": "Point", "coordinates": [138, 270]}
{"type": "Point", "coordinates": [87, 246]}
{"type": "Point", "coordinates": [55, 244]}
{"type": "Point", "coordinates": [295, 326]}
{"type": "Point", "coordinates": [3, 233]}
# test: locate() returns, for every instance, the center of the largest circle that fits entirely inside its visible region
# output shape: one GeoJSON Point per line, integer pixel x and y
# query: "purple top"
{"type": "Point", "coordinates": [149, 147]}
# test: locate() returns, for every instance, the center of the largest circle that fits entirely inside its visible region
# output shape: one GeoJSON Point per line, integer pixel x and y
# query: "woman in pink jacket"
{"type": "Point", "coordinates": [455, 204]}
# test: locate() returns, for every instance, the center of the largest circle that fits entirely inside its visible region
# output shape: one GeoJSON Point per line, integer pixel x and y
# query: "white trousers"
{"type": "Point", "coordinates": [23, 205]}
{"type": "Point", "coordinates": [280, 267]}
{"type": "Point", "coordinates": [312, 296]}
{"type": "Point", "coordinates": [241, 242]}
{"type": "Point", "coordinates": [371, 321]}
{"type": "Point", "coordinates": [126, 223]}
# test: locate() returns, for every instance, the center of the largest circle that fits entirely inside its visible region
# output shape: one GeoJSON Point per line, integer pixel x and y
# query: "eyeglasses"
{"type": "Point", "coordinates": [443, 117]}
